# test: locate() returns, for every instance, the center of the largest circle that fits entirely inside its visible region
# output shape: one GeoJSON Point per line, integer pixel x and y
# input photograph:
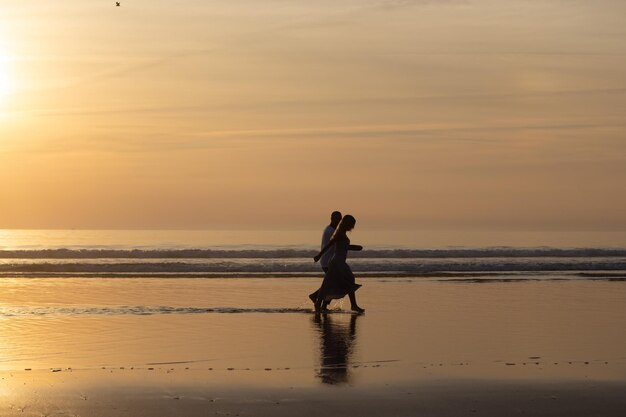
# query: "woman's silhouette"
{"type": "Point", "coordinates": [336, 346]}
{"type": "Point", "coordinates": [339, 279]}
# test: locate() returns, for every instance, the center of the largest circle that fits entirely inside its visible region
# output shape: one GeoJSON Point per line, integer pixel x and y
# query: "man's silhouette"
{"type": "Point", "coordinates": [335, 218]}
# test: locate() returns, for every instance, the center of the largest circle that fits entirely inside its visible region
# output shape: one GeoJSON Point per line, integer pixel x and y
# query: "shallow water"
{"type": "Point", "coordinates": [412, 328]}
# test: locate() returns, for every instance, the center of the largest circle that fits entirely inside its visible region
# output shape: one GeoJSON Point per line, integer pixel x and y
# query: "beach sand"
{"type": "Point", "coordinates": [165, 347]}
{"type": "Point", "coordinates": [194, 393]}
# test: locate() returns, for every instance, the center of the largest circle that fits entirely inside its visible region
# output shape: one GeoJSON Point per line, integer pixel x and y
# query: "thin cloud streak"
{"type": "Point", "coordinates": [185, 141]}
{"type": "Point", "coordinates": [291, 103]}
{"type": "Point", "coordinates": [257, 36]}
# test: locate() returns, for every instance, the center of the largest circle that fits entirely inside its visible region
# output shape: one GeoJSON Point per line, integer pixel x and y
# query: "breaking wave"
{"type": "Point", "coordinates": [497, 252]}
{"type": "Point", "coordinates": [298, 262]}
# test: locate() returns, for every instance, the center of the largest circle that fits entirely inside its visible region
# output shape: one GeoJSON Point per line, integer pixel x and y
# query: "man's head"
{"type": "Point", "coordinates": [335, 218]}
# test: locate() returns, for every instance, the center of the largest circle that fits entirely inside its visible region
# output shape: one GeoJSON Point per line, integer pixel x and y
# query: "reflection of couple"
{"type": "Point", "coordinates": [339, 279]}
{"type": "Point", "coordinates": [336, 346]}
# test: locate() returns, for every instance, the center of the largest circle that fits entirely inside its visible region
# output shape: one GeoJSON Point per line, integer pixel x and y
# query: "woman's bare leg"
{"type": "Point", "coordinates": [353, 305]}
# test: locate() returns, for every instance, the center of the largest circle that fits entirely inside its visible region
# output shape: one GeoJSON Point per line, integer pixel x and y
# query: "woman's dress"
{"type": "Point", "coordinates": [339, 279]}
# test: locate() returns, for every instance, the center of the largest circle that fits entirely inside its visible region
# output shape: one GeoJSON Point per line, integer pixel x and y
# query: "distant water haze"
{"type": "Point", "coordinates": [487, 115]}
{"type": "Point", "coordinates": [370, 238]}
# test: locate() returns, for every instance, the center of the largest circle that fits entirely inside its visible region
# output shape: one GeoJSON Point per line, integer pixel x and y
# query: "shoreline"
{"type": "Point", "coordinates": [118, 394]}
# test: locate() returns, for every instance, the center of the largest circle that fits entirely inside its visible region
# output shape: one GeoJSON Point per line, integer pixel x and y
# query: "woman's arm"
{"type": "Point", "coordinates": [324, 249]}
{"type": "Point", "coordinates": [355, 247]}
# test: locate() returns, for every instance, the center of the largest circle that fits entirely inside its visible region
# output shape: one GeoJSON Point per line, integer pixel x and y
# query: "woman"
{"type": "Point", "coordinates": [339, 279]}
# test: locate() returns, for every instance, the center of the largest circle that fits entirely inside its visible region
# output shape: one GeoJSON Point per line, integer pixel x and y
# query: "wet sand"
{"type": "Point", "coordinates": [163, 347]}
{"type": "Point", "coordinates": [197, 393]}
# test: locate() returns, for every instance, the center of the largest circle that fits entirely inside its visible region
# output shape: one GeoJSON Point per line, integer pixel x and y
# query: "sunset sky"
{"type": "Point", "coordinates": [500, 114]}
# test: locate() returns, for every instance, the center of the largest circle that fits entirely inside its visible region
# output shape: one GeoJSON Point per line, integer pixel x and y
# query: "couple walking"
{"type": "Point", "coordinates": [338, 279]}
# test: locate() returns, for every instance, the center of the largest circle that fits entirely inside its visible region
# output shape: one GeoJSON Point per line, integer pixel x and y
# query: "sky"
{"type": "Point", "coordinates": [191, 114]}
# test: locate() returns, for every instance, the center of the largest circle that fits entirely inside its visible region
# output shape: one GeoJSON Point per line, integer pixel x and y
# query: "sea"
{"type": "Point", "coordinates": [468, 256]}
{"type": "Point", "coordinates": [237, 302]}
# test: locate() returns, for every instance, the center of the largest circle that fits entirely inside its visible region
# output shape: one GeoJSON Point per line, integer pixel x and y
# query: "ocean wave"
{"type": "Point", "coordinates": [298, 262]}
{"type": "Point", "coordinates": [306, 267]}
{"type": "Point", "coordinates": [281, 253]}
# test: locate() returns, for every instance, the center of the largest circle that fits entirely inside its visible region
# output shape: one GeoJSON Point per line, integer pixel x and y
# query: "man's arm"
{"type": "Point", "coordinates": [324, 249]}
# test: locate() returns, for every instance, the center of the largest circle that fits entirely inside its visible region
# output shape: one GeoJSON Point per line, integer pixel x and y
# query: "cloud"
{"type": "Point", "coordinates": [278, 104]}
{"type": "Point", "coordinates": [359, 135]}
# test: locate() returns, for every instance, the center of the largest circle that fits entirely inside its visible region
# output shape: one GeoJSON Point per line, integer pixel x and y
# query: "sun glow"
{"type": "Point", "coordinates": [7, 85]}
{"type": "Point", "coordinates": [7, 81]}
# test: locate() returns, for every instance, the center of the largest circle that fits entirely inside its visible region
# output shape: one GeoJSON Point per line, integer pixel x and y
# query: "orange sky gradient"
{"type": "Point", "coordinates": [264, 114]}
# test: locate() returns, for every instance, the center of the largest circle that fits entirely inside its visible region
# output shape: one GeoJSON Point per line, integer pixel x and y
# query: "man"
{"type": "Point", "coordinates": [335, 218]}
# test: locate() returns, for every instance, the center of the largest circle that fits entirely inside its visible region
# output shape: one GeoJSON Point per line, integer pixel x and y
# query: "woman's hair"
{"type": "Point", "coordinates": [347, 223]}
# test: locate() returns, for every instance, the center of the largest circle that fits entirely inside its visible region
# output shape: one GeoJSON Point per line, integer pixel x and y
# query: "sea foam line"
{"type": "Point", "coordinates": [7, 312]}
{"type": "Point", "coordinates": [497, 252]}
{"type": "Point", "coordinates": [418, 266]}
